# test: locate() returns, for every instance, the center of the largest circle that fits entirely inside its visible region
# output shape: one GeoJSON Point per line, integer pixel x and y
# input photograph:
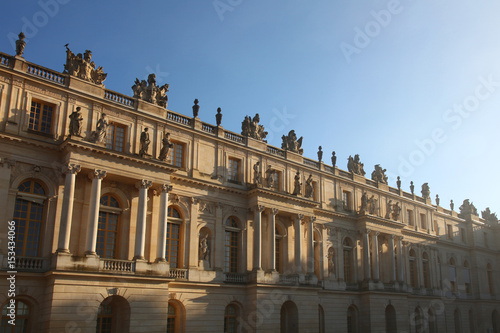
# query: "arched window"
{"type": "Point", "coordinates": [495, 321]}
{"type": "Point", "coordinates": [321, 319]}
{"type": "Point", "coordinates": [173, 244]}
{"type": "Point", "coordinates": [22, 323]}
{"type": "Point", "coordinates": [352, 319]}
{"type": "Point", "coordinates": [28, 215]}
{"type": "Point", "coordinates": [107, 232]}
{"type": "Point", "coordinates": [390, 320]}
{"type": "Point", "coordinates": [425, 269]}
{"type": "Point", "coordinates": [348, 260]}
{"type": "Point", "coordinates": [231, 319]}
{"type": "Point", "coordinates": [113, 315]}
{"type": "Point", "coordinates": [432, 321]}
{"type": "Point", "coordinates": [289, 318]}
{"type": "Point", "coordinates": [458, 322]}
{"type": "Point", "coordinates": [472, 326]}
{"type": "Point", "coordinates": [468, 288]}
{"type": "Point", "coordinates": [279, 250]}
{"type": "Point", "coordinates": [175, 317]}
{"type": "Point", "coordinates": [453, 275]}
{"type": "Point", "coordinates": [232, 244]}
{"type": "Point", "coordinates": [489, 273]}
{"type": "Point", "coordinates": [413, 269]}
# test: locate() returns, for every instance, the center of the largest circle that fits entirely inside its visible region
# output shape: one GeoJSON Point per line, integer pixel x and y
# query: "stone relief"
{"type": "Point", "coordinates": [270, 177]}
{"type": "Point", "coordinates": [99, 135]}
{"type": "Point", "coordinates": [426, 192]}
{"type": "Point", "coordinates": [206, 207]}
{"type": "Point", "coordinates": [331, 261]}
{"type": "Point", "coordinates": [204, 248]}
{"type": "Point", "coordinates": [291, 143]}
{"type": "Point", "coordinates": [251, 128]}
{"type": "Point", "coordinates": [83, 67]}
{"type": "Point", "coordinates": [355, 166]}
{"type": "Point", "coordinates": [467, 208]}
{"type": "Point", "coordinates": [388, 209]}
{"type": "Point", "coordinates": [150, 92]}
{"type": "Point", "coordinates": [75, 122]}
{"type": "Point", "coordinates": [378, 174]}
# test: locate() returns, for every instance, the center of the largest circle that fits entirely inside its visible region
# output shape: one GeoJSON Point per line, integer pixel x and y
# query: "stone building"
{"type": "Point", "coordinates": [134, 218]}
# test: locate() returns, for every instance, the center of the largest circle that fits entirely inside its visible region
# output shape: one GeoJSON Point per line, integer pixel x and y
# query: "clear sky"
{"type": "Point", "coordinates": [411, 85]}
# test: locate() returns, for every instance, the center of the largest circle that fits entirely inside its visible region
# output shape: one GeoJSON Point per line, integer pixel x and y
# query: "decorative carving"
{"type": "Point", "coordinates": [20, 44]}
{"type": "Point", "coordinates": [388, 209]}
{"type": "Point", "coordinates": [334, 160]}
{"type": "Point", "coordinates": [206, 207]}
{"type": "Point", "coordinates": [426, 192]}
{"type": "Point", "coordinates": [143, 183]}
{"type": "Point", "coordinates": [165, 148]}
{"type": "Point", "coordinates": [257, 174]}
{"type": "Point", "coordinates": [297, 190]}
{"type": "Point", "coordinates": [467, 208]}
{"type": "Point", "coordinates": [251, 128]}
{"type": "Point", "coordinates": [309, 187]}
{"type": "Point", "coordinates": [204, 248]}
{"type": "Point", "coordinates": [378, 174]}
{"type": "Point", "coordinates": [75, 122]}
{"type": "Point", "coordinates": [355, 166]}
{"type": "Point", "coordinates": [150, 92]}
{"type": "Point", "coordinates": [99, 135]}
{"type": "Point", "coordinates": [144, 143]}
{"type": "Point", "coordinates": [398, 183]}
{"type": "Point", "coordinates": [196, 108]}
{"type": "Point", "coordinates": [97, 174]}
{"type": "Point", "coordinates": [364, 203]}
{"type": "Point", "coordinates": [72, 168]}
{"type": "Point", "coordinates": [396, 211]}
{"type": "Point", "coordinates": [291, 143]}
{"type": "Point", "coordinates": [270, 177]}
{"type": "Point", "coordinates": [165, 188]}
{"type": "Point", "coordinates": [331, 261]}
{"type": "Point", "coordinates": [372, 205]}
{"type": "Point", "coordinates": [412, 187]}
{"type": "Point", "coordinates": [83, 67]}
{"type": "Point", "coordinates": [320, 154]}
{"type": "Point", "coordinates": [218, 117]}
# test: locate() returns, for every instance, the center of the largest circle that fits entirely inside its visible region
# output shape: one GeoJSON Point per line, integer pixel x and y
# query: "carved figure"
{"type": "Point", "coordinates": [251, 128]}
{"type": "Point", "coordinates": [364, 203]}
{"type": "Point", "coordinates": [144, 144]}
{"type": "Point", "coordinates": [437, 200]}
{"type": "Point", "coordinates": [388, 209]}
{"type": "Point", "coordinates": [467, 208]}
{"type": "Point", "coordinates": [452, 205]}
{"type": "Point", "coordinates": [331, 261]}
{"type": "Point", "coordinates": [320, 154]}
{"type": "Point", "coordinates": [257, 175]}
{"type": "Point", "coordinates": [150, 92]}
{"type": "Point", "coordinates": [426, 191]}
{"type": "Point", "coordinates": [75, 122]}
{"type": "Point", "coordinates": [489, 216]}
{"type": "Point", "coordinates": [297, 184]}
{"type": "Point", "coordinates": [398, 183]}
{"type": "Point", "coordinates": [372, 205]}
{"type": "Point", "coordinates": [99, 135]}
{"type": "Point", "coordinates": [396, 211]}
{"type": "Point", "coordinates": [270, 177]}
{"type": "Point", "coordinates": [378, 174]}
{"type": "Point", "coordinates": [196, 108]}
{"type": "Point", "coordinates": [218, 117]}
{"type": "Point", "coordinates": [412, 188]}
{"type": "Point", "coordinates": [20, 44]}
{"type": "Point", "coordinates": [83, 67]}
{"type": "Point", "coordinates": [309, 187]}
{"type": "Point", "coordinates": [355, 166]}
{"type": "Point", "coordinates": [334, 160]}
{"type": "Point", "coordinates": [166, 145]}
{"type": "Point", "coordinates": [291, 143]}
{"type": "Point", "coordinates": [204, 250]}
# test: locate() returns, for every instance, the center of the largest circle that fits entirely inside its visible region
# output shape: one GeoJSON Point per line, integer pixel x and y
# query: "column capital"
{"type": "Point", "coordinates": [71, 168]}
{"type": "Point", "coordinates": [274, 211]}
{"type": "Point", "coordinates": [367, 231]}
{"type": "Point", "coordinates": [165, 188]}
{"type": "Point", "coordinates": [259, 209]}
{"type": "Point", "coordinates": [375, 233]}
{"type": "Point", "coordinates": [300, 217]}
{"type": "Point", "coordinates": [400, 238]}
{"type": "Point", "coordinates": [97, 174]}
{"type": "Point", "coordinates": [312, 219]}
{"type": "Point", "coordinates": [143, 184]}
{"type": "Point", "coordinates": [392, 236]}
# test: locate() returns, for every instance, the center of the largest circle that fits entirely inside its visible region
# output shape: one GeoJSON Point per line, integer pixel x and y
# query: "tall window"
{"type": "Point", "coordinates": [22, 318]}
{"type": "Point", "coordinates": [321, 319]}
{"type": "Point", "coordinates": [489, 272]}
{"type": "Point", "coordinates": [495, 321]}
{"type": "Point", "coordinates": [230, 319]}
{"type": "Point", "coordinates": [234, 169]}
{"type": "Point", "coordinates": [425, 268]}
{"type": "Point", "coordinates": [105, 318]}
{"type": "Point", "coordinates": [409, 214]}
{"type": "Point", "coordinates": [107, 232]}
{"type": "Point", "coordinates": [462, 235]}
{"type": "Point", "coordinates": [113, 315]}
{"type": "Point", "coordinates": [472, 326]}
{"type": "Point", "coordinates": [346, 200]}
{"type": "Point", "coordinates": [458, 321]}
{"type": "Point", "coordinates": [348, 260]}
{"type": "Point", "coordinates": [177, 154]}
{"type": "Point", "coordinates": [231, 250]}
{"type": "Point", "coordinates": [453, 275]}
{"type": "Point", "coordinates": [390, 320]}
{"type": "Point", "coordinates": [289, 318]}
{"type": "Point", "coordinates": [468, 288]}
{"type": "Point", "coordinates": [423, 221]}
{"type": "Point", "coordinates": [174, 224]}
{"type": "Point", "coordinates": [171, 318]}
{"type": "Point", "coordinates": [28, 215]}
{"type": "Point", "coordinates": [413, 269]}
{"type": "Point", "coordinates": [352, 320]}
{"type": "Point", "coordinates": [279, 250]}
{"type": "Point", "coordinates": [41, 117]}
{"type": "Point", "coordinates": [115, 137]}
{"type": "Point", "coordinates": [276, 180]}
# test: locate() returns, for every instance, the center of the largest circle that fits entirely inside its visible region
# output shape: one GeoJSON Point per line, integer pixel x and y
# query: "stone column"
{"type": "Point", "coordinates": [376, 266]}
{"type": "Point", "coordinates": [272, 226]}
{"type": "Point", "coordinates": [67, 208]}
{"type": "Point", "coordinates": [140, 231]}
{"type": "Point", "coordinates": [366, 254]}
{"type": "Point", "coordinates": [162, 223]}
{"type": "Point", "coordinates": [340, 256]}
{"type": "Point", "coordinates": [310, 245]}
{"type": "Point", "coordinates": [298, 243]}
{"type": "Point", "coordinates": [95, 196]}
{"type": "Point", "coordinates": [257, 238]}
{"type": "Point", "coordinates": [392, 259]}
{"type": "Point", "coordinates": [400, 259]}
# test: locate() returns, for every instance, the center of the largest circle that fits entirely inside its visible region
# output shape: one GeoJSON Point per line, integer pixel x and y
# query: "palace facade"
{"type": "Point", "coordinates": [133, 218]}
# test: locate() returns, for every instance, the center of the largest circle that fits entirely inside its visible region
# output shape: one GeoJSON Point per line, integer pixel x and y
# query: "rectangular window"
{"type": "Point", "coordinates": [449, 231]}
{"type": "Point", "coordinates": [453, 279]}
{"type": "Point", "coordinates": [423, 221]}
{"type": "Point", "coordinates": [234, 170]}
{"type": "Point", "coordinates": [231, 252]}
{"type": "Point", "coordinates": [177, 154]}
{"type": "Point", "coordinates": [486, 239]}
{"type": "Point", "coordinates": [40, 119]}
{"type": "Point", "coordinates": [276, 180]}
{"type": "Point", "coordinates": [462, 235]}
{"type": "Point", "coordinates": [346, 200]}
{"type": "Point", "coordinates": [410, 217]}
{"type": "Point", "coordinates": [115, 137]}
{"type": "Point", "coordinates": [468, 289]}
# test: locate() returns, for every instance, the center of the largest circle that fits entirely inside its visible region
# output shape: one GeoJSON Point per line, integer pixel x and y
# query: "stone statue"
{"type": "Point", "coordinates": [144, 143]}
{"type": "Point", "coordinates": [75, 122]}
{"type": "Point", "coordinates": [270, 177]}
{"type": "Point", "coordinates": [467, 208]}
{"type": "Point", "coordinates": [452, 205]}
{"type": "Point", "coordinates": [396, 211]}
{"type": "Point", "coordinates": [334, 160]}
{"type": "Point", "coordinates": [355, 166]}
{"type": "Point", "coordinates": [204, 250]}
{"type": "Point", "coordinates": [388, 209]}
{"type": "Point", "coordinates": [150, 92]}
{"type": "Point", "coordinates": [297, 184]}
{"type": "Point", "coordinates": [218, 117]}
{"type": "Point", "coordinates": [331, 261]}
{"type": "Point", "coordinates": [20, 44]}
{"type": "Point", "coordinates": [309, 187]}
{"type": "Point", "coordinates": [196, 108]}
{"type": "Point", "coordinates": [372, 205]}
{"type": "Point", "coordinates": [257, 175]}
{"type": "Point", "coordinates": [426, 192]}
{"type": "Point", "coordinates": [412, 188]}
{"type": "Point", "coordinates": [251, 128]}
{"type": "Point", "coordinates": [437, 200]}
{"type": "Point", "coordinates": [489, 216]}
{"type": "Point", "coordinates": [378, 174]}
{"type": "Point", "coordinates": [364, 203]}
{"type": "Point", "coordinates": [291, 143]}
{"type": "Point", "coordinates": [83, 67]}
{"type": "Point", "coordinates": [320, 154]}
{"type": "Point", "coordinates": [99, 135]}
{"type": "Point", "coordinates": [398, 183]}
{"type": "Point", "coordinates": [165, 148]}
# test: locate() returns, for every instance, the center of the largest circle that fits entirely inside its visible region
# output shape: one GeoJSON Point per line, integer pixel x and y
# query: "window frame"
{"type": "Point", "coordinates": [231, 257]}
{"type": "Point", "coordinates": [178, 222]}
{"type": "Point", "coordinates": [40, 116]}
{"type": "Point", "coordinates": [109, 211]}
{"type": "Point", "coordinates": [234, 176]}
{"type": "Point", "coordinates": [111, 140]}
{"type": "Point", "coordinates": [346, 200]}
{"type": "Point", "coordinates": [348, 257]}
{"type": "Point", "coordinates": [410, 217]}
{"type": "Point", "coordinates": [174, 158]}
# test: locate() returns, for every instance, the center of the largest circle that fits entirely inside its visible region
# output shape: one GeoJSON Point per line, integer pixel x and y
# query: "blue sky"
{"type": "Point", "coordinates": [411, 85]}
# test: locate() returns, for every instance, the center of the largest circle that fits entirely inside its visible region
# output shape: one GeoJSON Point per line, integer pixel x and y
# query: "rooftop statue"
{"type": "Point", "coordinates": [426, 191]}
{"type": "Point", "coordinates": [489, 216]}
{"type": "Point", "coordinates": [378, 174]}
{"type": "Point", "coordinates": [83, 67]}
{"type": "Point", "coordinates": [334, 160]}
{"type": "Point", "coordinates": [150, 92]}
{"type": "Point", "coordinates": [320, 154]}
{"type": "Point", "coordinates": [355, 166]}
{"type": "Point", "coordinates": [251, 128]}
{"type": "Point", "coordinates": [20, 44]}
{"type": "Point", "coordinates": [196, 108]}
{"type": "Point", "coordinates": [291, 143]}
{"type": "Point", "coordinates": [218, 117]}
{"type": "Point", "coordinates": [467, 208]}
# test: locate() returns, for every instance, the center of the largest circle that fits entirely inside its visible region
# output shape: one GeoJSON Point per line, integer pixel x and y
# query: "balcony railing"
{"type": "Point", "coordinates": [5, 59]}
{"type": "Point", "coordinates": [234, 137]}
{"type": "Point", "coordinates": [275, 151]}
{"type": "Point", "coordinates": [113, 265]}
{"type": "Point", "coordinates": [208, 128]}
{"type": "Point", "coordinates": [178, 273]}
{"type": "Point", "coordinates": [289, 279]}
{"type": "Point", "coordinates": [46, 74]}
{"type": "Point", "coordinates": [178, 118]}
{"type": "Point", "coordinates": [235, 277]}
{"type": "Point", "coordinates": [311, 163]}
{"type": "Point", "coordinates": [118, 98]}
{"type": "Point", "coordinates": [31, 264]}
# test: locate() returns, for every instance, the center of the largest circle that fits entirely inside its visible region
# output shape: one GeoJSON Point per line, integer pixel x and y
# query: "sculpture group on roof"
{"type": "Point", "coordinates": [378, 174]}
{"type": "Point", "coordinates": [291, 143]}
{"type": "Point", "coordinates": [251, 128]}
{"type": "Point", "coordinates": [489, 216]}
{"type": "Point", "coordinates": [150, 92]}
{"type": "Point", "coordinates": [426, 191]}
{"type": "Point", "coordinates": [355, 166]}
{"type": "Point", "coordinates": [83, 67]}
{"type": "Point", "coordinates": [467, 208]}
